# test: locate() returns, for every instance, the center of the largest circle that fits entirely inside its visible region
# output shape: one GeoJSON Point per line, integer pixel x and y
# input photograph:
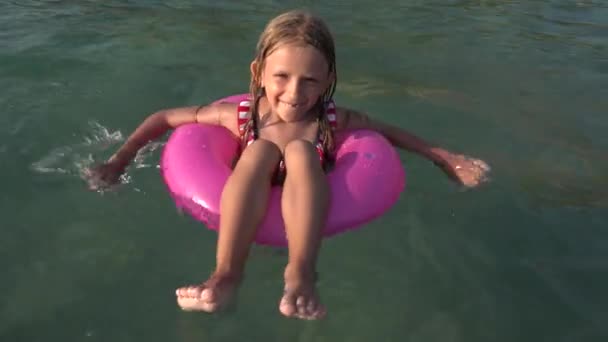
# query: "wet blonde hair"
{"type": "Point", "coordinates": [301, 28]}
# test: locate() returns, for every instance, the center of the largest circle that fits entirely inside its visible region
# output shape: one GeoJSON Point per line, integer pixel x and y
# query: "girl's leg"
{"type": "Point", "coordinates": [304, 204]}
{"type": "Point", "coordinates": [242, 208]}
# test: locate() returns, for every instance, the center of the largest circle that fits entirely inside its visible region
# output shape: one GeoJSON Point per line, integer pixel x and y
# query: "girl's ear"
{"type": "Point", "coordinates": [254, 75]}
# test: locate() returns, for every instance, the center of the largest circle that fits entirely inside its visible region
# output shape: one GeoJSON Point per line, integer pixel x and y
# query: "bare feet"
{"type": "Point", "coordinates": [300, 298]}
{"type": "Point", "coordinates": [210, 296]}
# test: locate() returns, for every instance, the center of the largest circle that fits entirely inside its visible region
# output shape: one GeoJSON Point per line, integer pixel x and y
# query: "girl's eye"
{"type": "Point", "coordinates": [280, 75]}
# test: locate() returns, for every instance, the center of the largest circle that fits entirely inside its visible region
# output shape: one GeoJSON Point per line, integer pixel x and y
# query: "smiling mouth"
{"type": "Point", "coordinates": [291, 105]}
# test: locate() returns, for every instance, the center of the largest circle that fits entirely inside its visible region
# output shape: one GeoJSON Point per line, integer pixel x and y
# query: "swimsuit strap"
{"type": "Point", "coordinates": [243, 118]}
{"type": "Point", "coordinates": [330, 111]}
{"type": "Point", "coordinates": [243, 115]}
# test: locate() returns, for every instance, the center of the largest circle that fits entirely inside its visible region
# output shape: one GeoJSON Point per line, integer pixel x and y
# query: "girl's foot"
{"type": "Point", "coordinates": [300, 298]}
{"type": "Point", "coordinates": [210, 296]}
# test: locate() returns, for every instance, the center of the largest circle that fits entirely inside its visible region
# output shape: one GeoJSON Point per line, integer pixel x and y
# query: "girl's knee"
{"type": "Point", "coordinates": [261, 147]}
{"type": "Point", "coordinates": [261, 154]}
{"type": "Point", "coordinates": [300, 151]}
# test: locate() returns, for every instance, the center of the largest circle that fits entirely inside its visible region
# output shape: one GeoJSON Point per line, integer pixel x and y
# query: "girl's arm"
{"type": "Point", "coordinates": [350, 119]}
{"type": "Point", "coordinates": [150, 129]}
{"type": "Point", "coordinates": [160, 122]}
{"type": "Point", "coordinates": [463, 169]}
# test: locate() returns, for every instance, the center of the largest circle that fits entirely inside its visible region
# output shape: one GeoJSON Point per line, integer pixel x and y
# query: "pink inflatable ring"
{"type": "Point", "coordinates": [365, 182]}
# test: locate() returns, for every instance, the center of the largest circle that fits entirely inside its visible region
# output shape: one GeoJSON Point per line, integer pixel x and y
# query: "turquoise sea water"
{"type": "Point", "coordinates": [520, 84]}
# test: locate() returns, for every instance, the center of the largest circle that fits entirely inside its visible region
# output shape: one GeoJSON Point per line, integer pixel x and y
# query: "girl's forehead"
{"type": "Point", "coordinates": [297, 54]}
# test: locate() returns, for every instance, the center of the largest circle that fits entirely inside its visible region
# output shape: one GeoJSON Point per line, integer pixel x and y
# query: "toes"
{"type": "Point", "coordinates": [301, 305]}
{"type": "Point", "coordinates": [195, 298]}
{"type": "Point", "coordinates": [188, 292]}
{"type": "Point", "coordinates": [194, 291]}
{"type": "Point", "coordinates": [182, 292]}
{"type": "Point", "coordinates": [207, 295]}
{"type": "Point", "coordinates": [193, 304]}
{"type": "Point", "coordinates": [288, 305]}
{"type": "Point", "coordinates": [210, 296]}
{"type": "Point", "coordinates": [311, 308]}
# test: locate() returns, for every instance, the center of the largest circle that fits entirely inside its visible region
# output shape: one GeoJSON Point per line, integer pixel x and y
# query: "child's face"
{"type": "Point", "coordinates": [294, 77]}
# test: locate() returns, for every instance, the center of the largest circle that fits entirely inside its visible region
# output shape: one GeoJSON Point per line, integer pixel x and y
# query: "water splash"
{"type": "Point", "coordinates": [72, 159]}
{"type": "Point", "coordinates": [96, 146]}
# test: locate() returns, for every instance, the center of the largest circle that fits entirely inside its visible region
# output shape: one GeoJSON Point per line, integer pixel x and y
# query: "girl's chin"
{"type": "Point", "coordinates": [290, 114]}
{"type": "Point", "coordinates": [289, 117]}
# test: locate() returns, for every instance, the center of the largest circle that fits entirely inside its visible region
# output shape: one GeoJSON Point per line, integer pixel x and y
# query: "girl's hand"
{"type": "Point", "coordinates": [105, 175]}
{"type": "Point", "coordinates": [468, 171]}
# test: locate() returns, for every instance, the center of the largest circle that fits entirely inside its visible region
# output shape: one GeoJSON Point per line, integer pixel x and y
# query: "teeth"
{"type": "Point", "coordinates": [290, 105]}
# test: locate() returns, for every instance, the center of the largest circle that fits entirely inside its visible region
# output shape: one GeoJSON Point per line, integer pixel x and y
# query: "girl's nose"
{"type": "Point", "coordinates": [293, 89]}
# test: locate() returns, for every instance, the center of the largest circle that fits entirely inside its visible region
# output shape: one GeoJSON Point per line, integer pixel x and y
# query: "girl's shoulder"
{"type": "Point", "coordinates": [348, 118]}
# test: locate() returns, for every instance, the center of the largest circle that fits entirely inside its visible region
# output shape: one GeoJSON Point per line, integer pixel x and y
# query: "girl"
{"type": "Point", "coordinates": [288, 141]}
